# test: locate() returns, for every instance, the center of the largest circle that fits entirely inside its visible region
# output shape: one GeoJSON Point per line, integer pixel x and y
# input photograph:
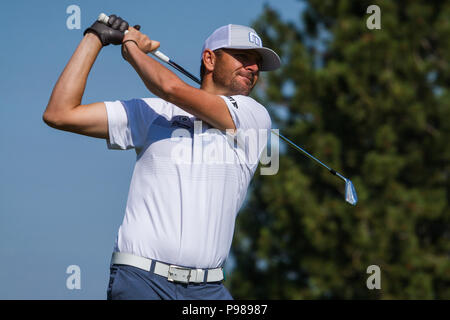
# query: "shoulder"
{"type": "Point", "coordinates": [248, 101]}
{"type": "Point", "coordinates": [160, 106]}
{"type": "Point", "coordinates": [153, 102]}
{"type": "Point", "coordinates": [252, 107]}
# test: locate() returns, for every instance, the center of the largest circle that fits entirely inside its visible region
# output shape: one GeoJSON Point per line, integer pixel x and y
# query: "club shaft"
{"type": "Point", "coordinates": [176, 66]}
{"type": "Point", "coordinates": [309, 155]}
{"type": "Point", "coordinates": [186, 73]}
{"type": "Point", "coordinates": [161, 56]}
{"type": "Point", "coordinates": [301, 149]}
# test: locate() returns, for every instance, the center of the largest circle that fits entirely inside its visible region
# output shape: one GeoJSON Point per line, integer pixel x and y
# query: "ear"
{"type": "Point", "coordinates": [209, 60]}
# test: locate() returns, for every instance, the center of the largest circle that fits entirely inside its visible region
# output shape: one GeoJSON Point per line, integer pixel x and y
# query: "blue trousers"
{"type": "Point", "coordinates": [131, 283]}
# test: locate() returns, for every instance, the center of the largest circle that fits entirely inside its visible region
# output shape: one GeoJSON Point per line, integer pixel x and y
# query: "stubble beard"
{"type": "Point", "coordinates": [238, 88]}
{"type": "Point", "coordinates": [234, 87]}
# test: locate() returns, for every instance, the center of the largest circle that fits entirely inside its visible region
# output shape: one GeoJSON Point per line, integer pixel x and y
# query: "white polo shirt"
{"type": "Point", "coordinates": [189, 180]}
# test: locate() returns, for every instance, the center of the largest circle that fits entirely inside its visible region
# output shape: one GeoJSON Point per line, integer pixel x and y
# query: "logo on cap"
{"type": "Point", "coordinates": [254, 38]}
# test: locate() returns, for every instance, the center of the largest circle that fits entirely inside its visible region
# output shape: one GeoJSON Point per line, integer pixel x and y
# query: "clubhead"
{"type": "Point", "coordinates": [350, 193]}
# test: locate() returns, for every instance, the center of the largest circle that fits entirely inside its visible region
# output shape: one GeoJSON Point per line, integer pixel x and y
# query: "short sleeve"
{"type": "Point", "coordinates": [247, 113]}
{"type": "Point", "coordinates": [253, 126]}
{"type": "Point", "coordinates": [128, 123]}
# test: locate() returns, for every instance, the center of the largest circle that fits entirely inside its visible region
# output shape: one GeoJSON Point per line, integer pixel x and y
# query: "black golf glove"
{"type": "Point", "coordinates": [113, 32]}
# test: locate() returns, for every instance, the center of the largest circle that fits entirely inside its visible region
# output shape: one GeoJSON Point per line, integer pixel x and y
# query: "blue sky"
{"type": "Point", "coordinates": [63, 195]}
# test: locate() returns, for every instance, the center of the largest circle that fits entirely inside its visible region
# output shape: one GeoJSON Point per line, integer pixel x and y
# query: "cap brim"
{"type": "Point", "coordinates": [270, 60]}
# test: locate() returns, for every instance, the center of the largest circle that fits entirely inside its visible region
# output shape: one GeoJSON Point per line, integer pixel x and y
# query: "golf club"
{"type": "Point", "coordinates": [350, 192]}
{"type": "Point", "coordinates": [104, 18]}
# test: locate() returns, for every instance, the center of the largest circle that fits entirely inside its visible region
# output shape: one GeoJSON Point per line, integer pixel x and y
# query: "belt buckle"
{"type": "Point", "coordinates": [179, 274]}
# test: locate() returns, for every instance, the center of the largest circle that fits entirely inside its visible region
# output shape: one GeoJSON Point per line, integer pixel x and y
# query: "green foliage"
{"type": "Point", "coordinates": [374, 105]}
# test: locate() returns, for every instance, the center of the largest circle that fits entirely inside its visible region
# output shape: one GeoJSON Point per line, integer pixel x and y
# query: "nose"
{"type": "Point", "coordinates": [252, 66]}
{"type": "Point", "coordinates": [252, 63]}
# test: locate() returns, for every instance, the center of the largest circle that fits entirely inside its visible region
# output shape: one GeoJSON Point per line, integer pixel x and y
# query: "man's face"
{"type": "Point", "coordinates": [237, 70]}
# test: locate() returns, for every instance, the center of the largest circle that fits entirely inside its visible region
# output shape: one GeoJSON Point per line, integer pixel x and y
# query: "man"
{"type": "Point", "coordinates": [180, 213]}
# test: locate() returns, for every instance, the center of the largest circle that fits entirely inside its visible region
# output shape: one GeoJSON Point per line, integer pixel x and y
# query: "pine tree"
{"type": "Point", "coordinates": [373, 105]}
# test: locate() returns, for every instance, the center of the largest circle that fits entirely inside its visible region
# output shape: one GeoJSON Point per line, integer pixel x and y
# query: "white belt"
{"type": "Point", "coordinates": [171, 272]}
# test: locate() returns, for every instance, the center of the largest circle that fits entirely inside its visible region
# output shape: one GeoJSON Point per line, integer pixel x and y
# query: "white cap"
{"type": "Point", "coordinates": [234, 36]}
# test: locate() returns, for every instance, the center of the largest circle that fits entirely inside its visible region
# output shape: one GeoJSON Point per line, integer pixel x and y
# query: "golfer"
{"type": "Point", "coordinates": [181, 209]}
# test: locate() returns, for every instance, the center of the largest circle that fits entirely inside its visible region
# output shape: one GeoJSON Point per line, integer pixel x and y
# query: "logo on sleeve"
{"type": "Point", "coordinates": [233, 102]}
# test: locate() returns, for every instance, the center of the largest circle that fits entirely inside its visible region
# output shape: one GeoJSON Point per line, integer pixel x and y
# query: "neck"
{"type": "Point", "coordinates": [209, 86]}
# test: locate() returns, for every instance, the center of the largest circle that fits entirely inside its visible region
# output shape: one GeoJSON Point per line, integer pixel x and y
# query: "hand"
{"type": "Point", "coordinates": [112, 33]}
{"type": "Point", "coordinates": [143, 41]}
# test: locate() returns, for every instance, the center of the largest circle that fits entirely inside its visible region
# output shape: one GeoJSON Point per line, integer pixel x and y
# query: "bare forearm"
{"type": "Point", "coordinates": [207, 106]}
{"type": "Point", "coordinates": [69, 89]}
{"type": "Point", "coordinates": [157, 78]}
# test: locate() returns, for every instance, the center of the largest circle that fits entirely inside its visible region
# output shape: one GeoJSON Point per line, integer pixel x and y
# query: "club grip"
{"type": "Point", "coordinates": [104, 19]}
